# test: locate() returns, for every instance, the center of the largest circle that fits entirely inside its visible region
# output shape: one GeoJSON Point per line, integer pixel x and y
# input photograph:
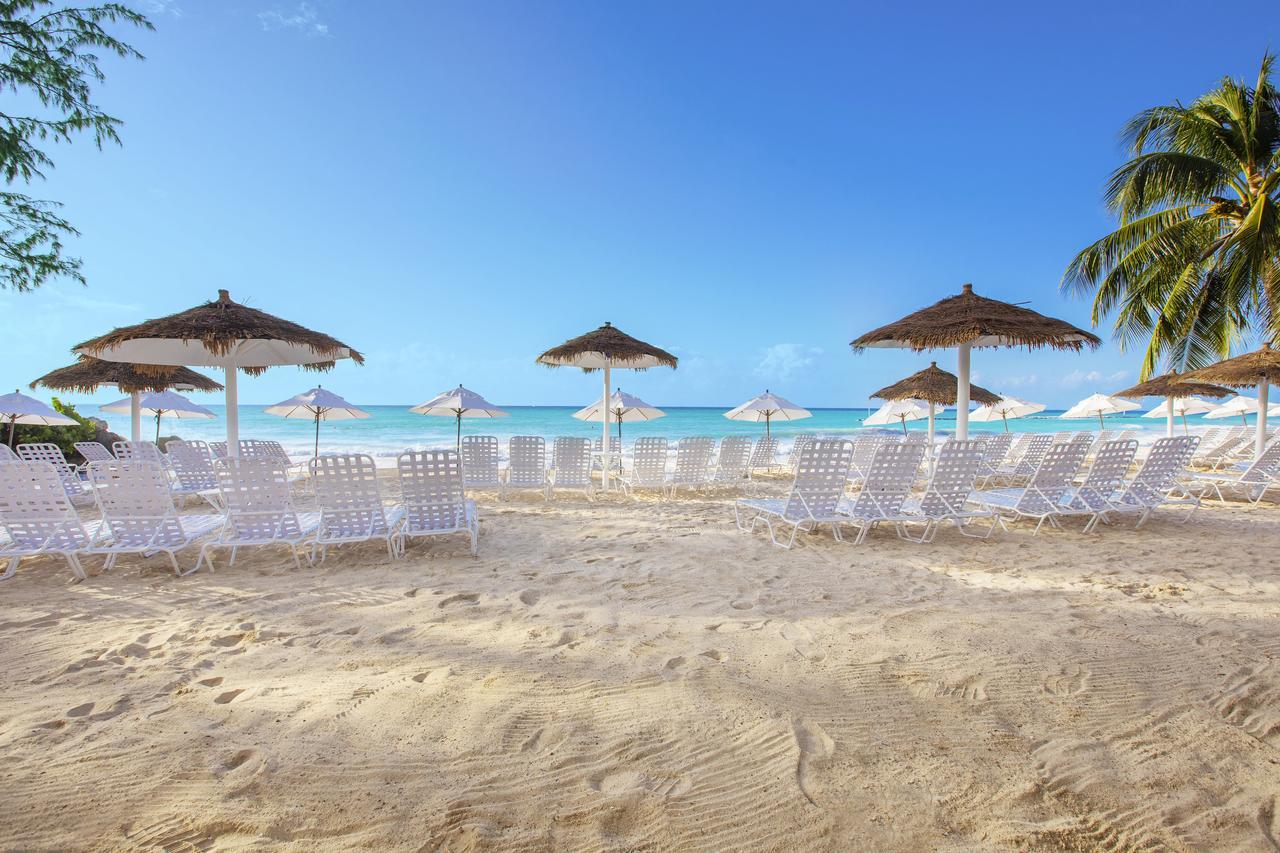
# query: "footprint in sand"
{"type": "Point", "coordinates": [460, 598]}
{"type": "Point", "coordinates": [530, 597]}
{"type": "Point", "coordinates": [1073, 679]}
{"type": "Point", "coordinates": [801, 639]}
{"type": "Point", "coordinates": [238, 759]}
{"type": "Point", "coordinates": [230, 695]}
{"type": "Point", "coordinates": [815, 746]}
{"type": "Point", "coordinates": [81, 710]}
{"type": "Point", "coordinates": [210, 682]}
{"type": "Point", "coordinates": [742, 604]}
{"type": "Point", "coordinates": [715, 655]}
{"type": "Point", "coordinates": [674, 663]}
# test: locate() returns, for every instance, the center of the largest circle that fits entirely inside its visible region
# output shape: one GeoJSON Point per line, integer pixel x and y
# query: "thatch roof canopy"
{"type": "Point", "coordinates": [934, 385]}
{"type": "Point", "coordinates": [214, 332]}
{"type": "Point", "coordinates": [607, 346]}
{"type": "Point", "coordinates": [88, 374]}
{"type": "Point", "coordinates": [980, 322]}
{"type": "Point", "coordinates": [1243, 371]}
{"type": "Point", "coordinates": [1172, 385]}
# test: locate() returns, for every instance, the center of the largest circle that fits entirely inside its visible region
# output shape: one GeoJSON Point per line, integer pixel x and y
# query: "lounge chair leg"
{"type": "Point", "coordinates": [13, 568]}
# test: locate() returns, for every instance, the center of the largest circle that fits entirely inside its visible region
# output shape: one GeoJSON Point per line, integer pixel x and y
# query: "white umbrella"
{"type": "Point", "coordinates": [459, 403]}
{"type": "Point", "coordinates": [1181, 406]}
{"type": "Point", "coordinates": [1237, 405]}
{"type": "Point", "coordinates": [1003, 409]}
{"type": "Point", "coordinates": [318, 405]}
{"type": "Point", "coordinates": [766, 407]}
{"type": "Point", "coordinates": [160, 404]}
{"type": "Point", "coordinates": [898, 411]}
{"type": "Point", "coordinates": [622, 407]}
{"type": "Point", "coordinates": [18, 408]}
{"type": "Point", "coordinates": [222, 334]}
{"type": "Point", "coordinates": [1098, 406]}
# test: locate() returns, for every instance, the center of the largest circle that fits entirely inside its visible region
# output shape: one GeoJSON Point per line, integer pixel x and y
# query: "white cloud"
{"type": "Point", "coordinates": [1076, 378]}
{"type": "Point", "coordinates": [161, 7]}
{"type": "Point", "coordinates": [782, 361]}
{"type": "Point", "coordinates": [303, 18]}
{"type": "Point", "coordinates": [1018, 381]}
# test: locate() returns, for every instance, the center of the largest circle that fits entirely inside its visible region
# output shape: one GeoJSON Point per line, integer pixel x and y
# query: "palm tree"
{"type": "Point", "coordinates": [1194, 266]}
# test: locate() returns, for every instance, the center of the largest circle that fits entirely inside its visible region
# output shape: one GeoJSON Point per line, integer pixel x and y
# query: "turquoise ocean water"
{"type": "Point", "coordinates": [392, 429]}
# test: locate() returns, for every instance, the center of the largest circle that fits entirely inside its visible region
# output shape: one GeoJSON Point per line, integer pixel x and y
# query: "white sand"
{"type": "Point", "coordinates": [622, 676]}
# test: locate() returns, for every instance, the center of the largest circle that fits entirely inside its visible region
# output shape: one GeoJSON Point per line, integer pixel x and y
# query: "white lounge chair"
{"type": "Point", "coordinates": [571, 466]}
{"type": "Point", "coordinates": [864, 450]}
{"type": "Point", "coordinates": [648, 466]}
{"type": "Point", "coordinates": [1042, 498]}
{"type": "Point", "coordinates": [527, 462]}
{"type": "Point", "coordinates": [945, 498]}
{"type": "Point", "coordinates": [194, 476]}
{"type": "Point", "coordinates": [7, 454]}
{"type": "Point", "coordinates": [1106, 474]}
{"type": "Point", "coordinates": [1219, 454]}
{"type": "Point", "coordinates": [433, 497]}
{"type": "Point", "coordinates": [733, 461]}
{"type": "Point", "coordinates": [1025, 461]}
{"type": "Point", "coordinates": [93, 451]}
{"type": "Point", "coordinates": [76, 489]}
{"type": "Point", "coordinates": [258, 502]}
{"type": "Point", "coordinates": [255, 448]}
{"type": "Point", "coordinates": [36, 517]}
{"type": "Point", "coordinates": [819, 482]}
{"type": "Point", "coordinates": [1156, 483]}
{"type": "Point", "coordinates": [889, 479]}
{"type": "Point", "coordinates": [764, 454]}
{"type": "Point", "coordinates": [138, 513]}
{"type": "Point", "coordinates": [139, 451]}
{"type": "Point", "coordinates": [350, 503]}
{"type": "Point", "coordinates": [1250, 481]}
{"type": "Point", "coordinates": [218, 449]}
{"type": "Point", "coordinates": [480, 462]}
{"type": "Point", "coordinates": [993, 455]}
{"type": "Point", "coordinates": [615, 448]}
{"type": "Point", "coordinates": [693, 464]}
{"type": "Point", "coordinates": [798, 444]}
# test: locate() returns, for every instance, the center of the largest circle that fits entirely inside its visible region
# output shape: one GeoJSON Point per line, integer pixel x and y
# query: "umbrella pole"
{"type": "Point", "coordinates": [962, 393]}
{"type": "Point", "coordinates": [13, 423]}
{"type": "Point", "coordinates": [1101, 423]}
{"type": "Point", "coordinates": [233, 412]}
{"type": "Point", "coordinates": [1168, 421]}
{"type": "Point", "coordinates": [157, 429]}
{"type": "Point", "coordinates": [316, 453]}
{"type": "Point", "coordinates": [1261, 441]}
{"type": "Point", "coordinates": [904, 424]}
{"type": "Point", "coordinates": [767, 432]}
{"type": "Point", "coordinates": [459, 438]}
{"type": "Point", "coordinates": [135, 416]}
{"type": "Point", "coordinates": [931, 408]}
{"type": "Point", "coordinates": [604, 434]}
{"type": "Point", "coordinates": [1004, 416]}
{"type": "Point", "coordinates": [1186, 430]}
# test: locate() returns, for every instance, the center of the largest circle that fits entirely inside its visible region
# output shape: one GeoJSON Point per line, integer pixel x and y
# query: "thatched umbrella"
{"type": "Point", "coordinates": [604, 349]}
{"type": "Point", "coordinates": [89, 374]}
{"type": "Point", "coordinates": [936, 387]}
{"type": "Point", "coordinates": [967, 321]}
{"type": "Point", "coordinates": [1172, 387]}
{"type": "Point", "coordinates": [222, 334]}
{"type": "Point", "coordinates": [1260, 368]}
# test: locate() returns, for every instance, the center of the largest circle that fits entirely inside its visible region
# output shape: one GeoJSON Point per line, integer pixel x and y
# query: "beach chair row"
{"type": "Point", "coordinates": [138, 514]}
{"type": "Point", "coordinates": [1060, 486]}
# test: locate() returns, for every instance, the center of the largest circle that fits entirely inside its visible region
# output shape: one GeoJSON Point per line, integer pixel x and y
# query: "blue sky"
{"type": "Point", "coordinates": [454, 187]}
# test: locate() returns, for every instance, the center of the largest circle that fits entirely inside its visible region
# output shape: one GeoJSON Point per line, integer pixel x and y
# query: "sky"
{"type": "Point", "coordinates": [452, 187]}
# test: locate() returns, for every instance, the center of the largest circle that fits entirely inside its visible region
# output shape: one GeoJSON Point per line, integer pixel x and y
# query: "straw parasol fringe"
{"type": "Point", "coordinates": [1260, 369]}
{"type": "Point", "coordinates": [1173, 385]}
{"type": "Point", "coordinates": [968, 318]}
{"type": "Point", "coordinates": [934, 385]}
{"type": "Point", "coordinates": [612, 345]}
{"type": "Point", "coordinates": [89, 374]}
{"type": "Point", "coordinates": [219, 326]}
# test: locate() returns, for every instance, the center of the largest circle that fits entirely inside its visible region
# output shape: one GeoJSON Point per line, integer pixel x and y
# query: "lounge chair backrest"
{"type": "Point", "coordinates": [649, 462]}
{"type": "Point", "coordinates": [137, 451]}
{"type": "Point", "coordinates": [1211, 435]}
{"type": "Point", "coordinates": [52, 454]}
{"type": "Point", "coordinates": [218, 449]}
{"type": "Point", "coordinates": [864, 450]}
{"type": "Point", "coordinates": [798, 445]}
{"type": "Point", "coordinates": [93, 451]}
{"type": "Point", "coordinates": [693, 460]}
{"type": "Point", "coordinates": [431, 488]}
{"type": "Point", "coordinates": [1106, 474]}
{"type": "Point", "coordinates": [136, 502]}
{"type": "Point", "coordinates": [889, 479]}
{"type": "Point", "coordinates": [996, 448]}
{"type": "Point", "coordinates": [615, 444]}
{"type": "Point", "coordinates": [1265, 468]}
{"type": "Point", "coordinates": [479, 460]}
{"type": "Point", "coordinates": [821, 472]}
{"type": "Point", "coordinates": [735, 454]}
{"type": "Point", "coordinates": [258, 499]}
{"type": "Point", "coordinates": [1033, 453]}
{"type": "Point", "coordinates": [1019, 446]}
{"type": "Point", "coordinates": [1062, 437]}
{"type": "Point", "coordinates": [765, 452]}
{"type": "Point", "coordinates": [192, 465]}
{"type": "Point", "coordinates": [1226, 445]}
{"type": "Point", "coordinates": [348, 496]}
{"type": "Point", "coordinates": [953, 479]}
{"type": "Point", "coordinates": [7, 454]}
{"type": "Point", "coordinates": [571, 458]}
{"type": "Point", "coordinates": [527, 461]}
{"type": "Point", "coordinates": [1052, 478]}
{"type": "Point", "coordinates": [253, 448]}
{"type": "Point", "coordinates": [1165, 462]}
{"type": "Point", "coordinates": [915, 436]}
{"type": "Point", "coordinates": [34, 509]}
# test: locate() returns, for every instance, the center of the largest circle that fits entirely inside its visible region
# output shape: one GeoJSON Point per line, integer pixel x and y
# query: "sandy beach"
{"type": "Point", "coordinates": [617, 675]}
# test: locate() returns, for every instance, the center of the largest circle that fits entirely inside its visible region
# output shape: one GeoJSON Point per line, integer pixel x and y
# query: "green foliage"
{"type": "Point", "coordinates": [1194, 264]}
{"type": "Point", "coordinates": [63, 436]}
{"type": "Point", "coordinates": [47, 58]}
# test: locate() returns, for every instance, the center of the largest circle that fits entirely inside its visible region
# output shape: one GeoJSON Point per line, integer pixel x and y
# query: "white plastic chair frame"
{"type": "Point", "coordinates": [1092, 498]}
{"type": "Point", "coordinates": [571, 466]}
{"type": "Point", "coordinates": [1156, 482]}
{"type": "Point", "coordinates": [733, 463]}
{"type": "Point", "coordinates": [259, 510]}
{"type": "Point", "coordinates": [37, 517]}
{"type": "Point", "coordinates": [889, 479]}
{"type": "Point", "coordinates": [433, 497]}
{"type": "Point", "coordinates": [480, 462]}
{"type": "Point", "coordinates": [527, 462]}
{"type": "Point", "coordinates": [648, 466]}
{"type": "Point", "coordinates": [764, 454]}
{"type": "Point", "coordinates": [93, 451]}
{"type": "Point", "coordinates": [821, 472]}
{"type": "Point", "coordinates": [1042, 497]}
{"type": "Point", "coordinates": [350, 504]}
{"type": "Point", "coordinates": [1251, 481]}
{"type": "Point", "coordinates": [692, 465]}
{"type": "Point", "coordinates": [955, 474]}
{"type": "Point", "coordinates": [798, 444]}
{"type": "Point", "coordinates": [192, 466]}
{"type": "Point", "coordinates": [70, 477]}
{"type": "Point", "coordinates": [1025, 463]}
